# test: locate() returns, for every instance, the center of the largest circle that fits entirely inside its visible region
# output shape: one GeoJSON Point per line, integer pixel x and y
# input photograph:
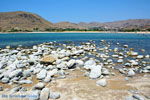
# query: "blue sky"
{"type": "Point", "coordinates": [81, 10]}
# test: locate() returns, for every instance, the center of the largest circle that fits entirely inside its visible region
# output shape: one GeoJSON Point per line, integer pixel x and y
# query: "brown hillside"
{"type": "Point", "coordinates": [23, 21]}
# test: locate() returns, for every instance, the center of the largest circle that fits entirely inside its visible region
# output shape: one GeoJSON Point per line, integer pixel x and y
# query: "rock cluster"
{"type": "Point", "coordinates": [47, 61]}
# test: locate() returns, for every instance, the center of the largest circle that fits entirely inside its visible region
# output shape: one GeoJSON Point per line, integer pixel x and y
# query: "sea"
{"type": "Point", "coordinates": [134, 40]}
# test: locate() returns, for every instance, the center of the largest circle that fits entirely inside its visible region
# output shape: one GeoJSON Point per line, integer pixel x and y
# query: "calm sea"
{"type": "Point", "coordinates": [137, 41]}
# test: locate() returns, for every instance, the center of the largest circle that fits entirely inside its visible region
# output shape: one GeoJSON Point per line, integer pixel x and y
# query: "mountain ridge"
{"type": "Point", "coordinates": [26, 21]}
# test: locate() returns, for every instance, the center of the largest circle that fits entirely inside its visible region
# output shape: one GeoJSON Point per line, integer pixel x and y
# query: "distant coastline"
{"type": "Point", "coordinates": [79, 32]}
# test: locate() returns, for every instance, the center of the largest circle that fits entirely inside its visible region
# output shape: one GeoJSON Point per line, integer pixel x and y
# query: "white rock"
{"type": "Point", "coordinates": [79, 63]}
{"type": "Point", "coordinates": [62, 65]}
{"type": "Point", "coordinates": [115, 56]}
{"type": "Point", "coordinates": [89, 63]}
{"type": "Point", "coordinates": [5, 80]}
{"type": "Point", "coordinates": [109, 60]}
{"type": "Point", "coordinates": [120, 60]}
{"type": "Point", "coordinates": [25, 82]}
{"type": "Point", "coordinates": [35, 47]}
{"type": "Point", "coordinates": [95, 71]}
{"type": "Point", "coordinates": [105, 71]}
{"type": "Point", "coordinates": [54, 95]}
{"type": "Point", "coordinates": [36, 70]}
{"type": "Point", "coordinates": [35, 93]}
{"type": "Point", "coordinates": [132, 53]}
{"type": "Point", "coordinates": [44, 94]}
{"type": "Point", "coordinates": [27, 72]}
{"type": "Point", "coordinates": [128, 98]}
{"type": "Point", "coordinates": [140, 57]}
{"type": "Point", "coordinates": [138, 97]}
{"type": "Point", "coordinates": [15, 73]}
{"type": "Point", "coordinates": [147, 56]}
{"type": "Point", "coordinates": [134, 63]}
{"type": "Point", "coordinates": [131, 72]}
{"type": "Point", "coordinates": [2, 65]}
{"type": "Point", "coordinates": [78, 52]}
{"type": "Point", "coordinates": [102, 82]}
{"type": "Point", "coordinates": [14, 52]}
{"type": "Point", "coordinates": [147, 68]}
{"type": "Point", "coordinates": [126, 46]}
{"type": "Point", "coordinates": [71, 63]}
{"type": "Point", "coordinates": [127, 64]}
{"type": "Point", "coordinates": [42, 74]}
{"type": "Point", "coordinates": [52, 72]}
{"type": "Point", "coordinates": [39, 85]}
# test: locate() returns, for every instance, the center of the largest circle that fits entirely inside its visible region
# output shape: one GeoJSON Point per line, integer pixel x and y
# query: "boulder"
{"type": "Point", "coordinates": [89, 63]}
{"type": "Point", "coordinates": [95, 72]}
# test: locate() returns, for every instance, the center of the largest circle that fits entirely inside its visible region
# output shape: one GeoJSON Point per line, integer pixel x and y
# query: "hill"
{"type": "Point", "coordinates": [25, 21]}
{"type": "Point", "coordinates": [22, 21]}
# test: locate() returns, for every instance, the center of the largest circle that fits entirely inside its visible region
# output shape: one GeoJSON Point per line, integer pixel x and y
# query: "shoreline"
{"type": "Point", "coordinates": [79, 32]}
{"type": "Point", "coordinates": [49, 67]}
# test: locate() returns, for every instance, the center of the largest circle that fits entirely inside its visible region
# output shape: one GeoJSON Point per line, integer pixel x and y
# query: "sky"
{"type": "Point", "coordinates": [81, 10]}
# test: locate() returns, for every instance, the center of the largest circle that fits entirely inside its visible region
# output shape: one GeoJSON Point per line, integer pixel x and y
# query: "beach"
{"type": "Point", "coordinates": [106, 71]}
{"type": "Point", "coordinates": [82, 32]}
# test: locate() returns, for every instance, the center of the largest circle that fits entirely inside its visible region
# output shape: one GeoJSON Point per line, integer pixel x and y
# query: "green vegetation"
{"type": "Point", "coordinates": [35, 29]}
{"type": "Point", "coordinates": [16, 29]}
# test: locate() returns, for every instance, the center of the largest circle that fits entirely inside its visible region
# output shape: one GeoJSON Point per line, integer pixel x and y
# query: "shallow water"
{"type": "Point", "coordinates": [137, 41]}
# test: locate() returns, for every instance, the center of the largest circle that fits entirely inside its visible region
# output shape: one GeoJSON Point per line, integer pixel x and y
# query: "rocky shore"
{"type": "Point", "coordinates": [85, 71]}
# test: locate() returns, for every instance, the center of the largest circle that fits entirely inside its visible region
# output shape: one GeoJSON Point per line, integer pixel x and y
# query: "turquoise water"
{"type": "Point", "coordinates": [137, 41]}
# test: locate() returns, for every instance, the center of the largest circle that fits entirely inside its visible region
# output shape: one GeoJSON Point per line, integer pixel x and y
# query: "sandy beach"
{"type": "Point", "coordinates": [79, 32]}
